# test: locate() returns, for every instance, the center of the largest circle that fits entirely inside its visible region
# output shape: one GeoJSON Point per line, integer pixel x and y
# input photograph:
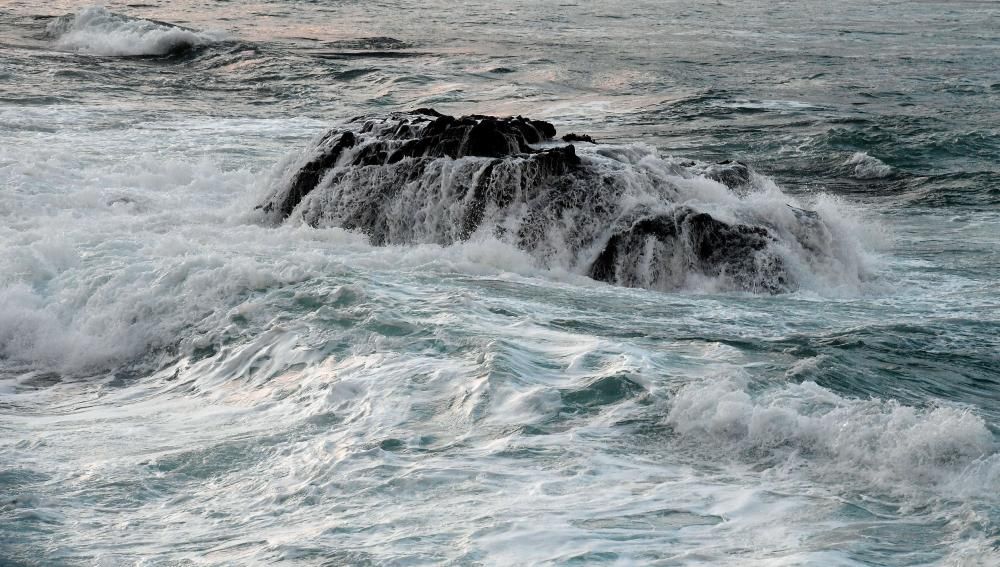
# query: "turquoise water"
{"type": "Point", "coordinates": [180, 384]}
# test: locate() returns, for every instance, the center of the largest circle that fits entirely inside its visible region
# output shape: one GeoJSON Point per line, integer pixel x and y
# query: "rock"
{"type": "Point", "coordinates": [309, 175]}
{"type": "Point", "coordinates": [426, 177]}
{"type": "Point", "coordinates": [578, 138]}
{"type": "Point", "coordinates": [413, 135]}
{"type": "Point", "coordinates": [732, 174]}
{"type": "Point", "coordinates": [378, 42]}
{"type": "Point", "coordinates": [709, 247]}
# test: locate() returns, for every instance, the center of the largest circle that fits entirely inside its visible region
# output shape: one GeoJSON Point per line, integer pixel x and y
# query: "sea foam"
{"type": "Point", "coordinates": [868, 167]}
{"type": "Point", "coordinates": [887, 445]}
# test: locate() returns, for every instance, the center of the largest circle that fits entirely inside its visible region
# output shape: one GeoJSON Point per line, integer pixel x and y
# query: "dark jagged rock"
{"type": "Point", "coordinates": [309, 175]}
{"type": "Point", "coordinates": [713, 247]}
{"type": "Point", "coordinates": [412, 135]}
{"type": "Point", "coordinates": [578, 138]}
{"type": "Point", "coordinates": [426, 112]}
{"type": "Point", "coordinates": [732, 174]}
{"type": "Point", "coordinates": [423, 176]}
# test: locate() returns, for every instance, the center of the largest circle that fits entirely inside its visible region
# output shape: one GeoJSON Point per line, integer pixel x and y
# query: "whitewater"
{"type": "Point", "coordinates": [187, 378]}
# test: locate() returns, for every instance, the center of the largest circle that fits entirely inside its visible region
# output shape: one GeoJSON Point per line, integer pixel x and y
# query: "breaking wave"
{"type": "Point", "coordinates": [97, 31]}
{"type": "Point", "coordinates": [892, 447]}
{"type": "Point", "coordinates": [868, 167]}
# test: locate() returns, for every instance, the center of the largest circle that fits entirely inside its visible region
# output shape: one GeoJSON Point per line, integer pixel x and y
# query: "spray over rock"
{"type": "Point", "coordinates": [619, 214]}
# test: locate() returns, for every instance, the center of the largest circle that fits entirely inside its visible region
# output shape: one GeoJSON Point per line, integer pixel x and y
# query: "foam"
{"type": "Point", "coordinates": [868, 167]}
{"type": "Point", "coordinates": [133, 261]}
{"type": "Point", "coordinates": [152, 255]}
{"type": "Point", "coordinates": [888, 446]}
{"type": "Point", "coordinates": [129, 261]}
{"type": "Point", "coordinates": [97, 31]}
{"type": "Point", "coordinates": [316, 432]}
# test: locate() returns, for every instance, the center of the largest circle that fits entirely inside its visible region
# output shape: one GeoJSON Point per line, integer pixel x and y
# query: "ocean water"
{"type": "Point", "coordinates": [183, 384]}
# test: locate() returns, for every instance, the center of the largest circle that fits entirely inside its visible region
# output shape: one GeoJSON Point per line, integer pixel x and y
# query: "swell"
{"type": "Point", "coordinates": [941, 358]}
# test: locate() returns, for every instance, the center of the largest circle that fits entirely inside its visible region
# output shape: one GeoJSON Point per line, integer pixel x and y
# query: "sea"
{"type": "Point", "coordinates": [184, 384]}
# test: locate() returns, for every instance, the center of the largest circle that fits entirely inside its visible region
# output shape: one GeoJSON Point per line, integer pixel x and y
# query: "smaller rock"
{"type": "Point", "coordinates": [578, 138]}
{"type": "Point", "coordinates": [732, 174]}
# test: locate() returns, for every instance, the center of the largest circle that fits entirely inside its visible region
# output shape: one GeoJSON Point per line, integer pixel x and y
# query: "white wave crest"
{"type": "Point", "coordinates": [891, 446]}
{"type": "Point", "coordinates": [868, 167]}
{"type": "Point", "coordinates": [97, 31]}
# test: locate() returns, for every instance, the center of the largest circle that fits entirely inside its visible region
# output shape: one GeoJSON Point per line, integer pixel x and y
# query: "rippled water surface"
{"type": "Point", "coordinates": [181, 384]}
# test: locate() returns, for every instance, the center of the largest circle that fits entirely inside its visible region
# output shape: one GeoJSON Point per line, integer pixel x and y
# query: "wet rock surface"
{"type": "Point", "coordinates": [426, 177]}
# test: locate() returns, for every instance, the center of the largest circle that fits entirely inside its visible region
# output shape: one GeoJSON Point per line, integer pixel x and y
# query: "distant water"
{"type": "Point", "coordinates": [181, 385]}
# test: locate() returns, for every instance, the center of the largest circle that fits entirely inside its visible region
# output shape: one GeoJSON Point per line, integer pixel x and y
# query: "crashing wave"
{"type": "Point", "coordinates": [892, 446]}
{"type": "Point", "coordinates": [619, 214]}
{"type": "Point", "coordinates": [868, 167]}
{"type": "Point", "coordinates": [96, 31]}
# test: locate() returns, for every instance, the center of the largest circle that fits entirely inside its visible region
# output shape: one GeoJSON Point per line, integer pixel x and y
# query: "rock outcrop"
{"type": "Point", "coordinates": [612, 213]}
